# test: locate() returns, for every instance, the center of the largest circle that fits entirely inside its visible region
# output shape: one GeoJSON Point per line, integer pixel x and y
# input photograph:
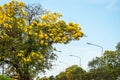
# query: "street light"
{"type": "Point", "coordinates": [97, 46]}
{"type": "Point", "coordinates": [77, 57]}
{"type": "Point", "coordinates": [79, 63]}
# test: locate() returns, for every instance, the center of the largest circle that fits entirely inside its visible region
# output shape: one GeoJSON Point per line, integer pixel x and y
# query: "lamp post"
{"type": "Point", "coordinates": [97, 46]}
{"type": "Point", "coordinates": [77, 57]}
{"type": "Point", "coordinates": [79, 63]}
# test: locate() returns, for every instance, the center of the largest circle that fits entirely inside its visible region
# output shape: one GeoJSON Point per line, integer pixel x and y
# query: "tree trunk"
{"type": "Point", "coordinates": [25, 75]}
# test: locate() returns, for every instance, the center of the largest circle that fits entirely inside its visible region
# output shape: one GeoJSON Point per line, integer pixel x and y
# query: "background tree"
{"type": "Point", "coordinates": [61, 76]}
{"type": "Point", "coordinates": [33, 12]}
{"type": "Point", "coordinates": [52, 78]}
{"type": "Point", "coordinates": [75, 73]}
{"type": "Point", "coordinates": [106, 66]}
{"type": "Point", "coordinates": [28, 47]}
{"type": "Point", "coordinates": [72, 73]}
{"type": "Point", "coordinates": [44, 78]}
{"type": "Point", "coordinates": [118, 54]}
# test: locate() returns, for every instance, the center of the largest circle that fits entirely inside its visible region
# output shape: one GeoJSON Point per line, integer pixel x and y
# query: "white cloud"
{"type": "Point", "coordinates": [98, 1]}
{"type": "Point", "coordinates": [107, 4]}
{"type": "Point", "coordinates": [112, 4]}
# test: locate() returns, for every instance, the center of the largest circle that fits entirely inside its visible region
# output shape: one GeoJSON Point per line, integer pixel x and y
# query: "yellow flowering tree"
{"type": "Point", "coordinates": [28, 47]}
{"type": "Point", "coordinates": [73, 72]}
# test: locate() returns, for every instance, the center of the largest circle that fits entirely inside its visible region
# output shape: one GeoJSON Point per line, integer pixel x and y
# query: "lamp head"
{"type": "Point", "coordinates": [88, 43]}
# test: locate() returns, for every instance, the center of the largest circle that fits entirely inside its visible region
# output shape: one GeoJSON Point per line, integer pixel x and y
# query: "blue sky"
{"type": "Point", "coordinates": [99, 20]}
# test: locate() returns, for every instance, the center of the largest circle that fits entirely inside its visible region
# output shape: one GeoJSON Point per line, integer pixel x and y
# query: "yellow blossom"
{"type": "Point", "coordinates": [51, 34]}
{"type": "Point", "coordinates": [6, 25]}
{"type": "Point", "coordinates": [37, 55]}
{"type": "Point", "coordinates": [21, 4]}
{"type": "Point", "coordinates": [44, 23]}
{"type": "Point", "coordinates": [32, 53]}
{"type": "Point", "coordinates": [24, 59]}
{"type": "Point", "coordinates": [44, 17]}
{"type": "Point", "coordinates": [41, 36]}
{"type": "Point", "coordinates": [40, 56]}
{"type": "Point", "coordinates": [64, 38]}
{"type": "Point", "coordinates": [30, 32]}
{"type": "Point", "coordinates": [25, 29]}
{"type": "Point", "coordinates": [28, 59]}
{"type": "Point", "coordinates": [30, 27]}
{"type": "Point", "coordinates": [36, 34]}
{"type": "Point", "coordinates": [39, 25]}
{"type": "Point", "coordinates": [41, 42]}
{"type": "Point", "coordinates": [46, 37]}
{"type": "Point", "coordinates": [1, 37]}
{"type": "Point", "coordinates": [0, 7]}
{"type": "Point", "coordinates": [46, 44]}
{"type": "Point", "coordinates": [20, 55]}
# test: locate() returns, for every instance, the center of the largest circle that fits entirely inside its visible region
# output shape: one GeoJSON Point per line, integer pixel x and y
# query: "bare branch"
{"type": "Point", "coordinates": [33, 11]}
